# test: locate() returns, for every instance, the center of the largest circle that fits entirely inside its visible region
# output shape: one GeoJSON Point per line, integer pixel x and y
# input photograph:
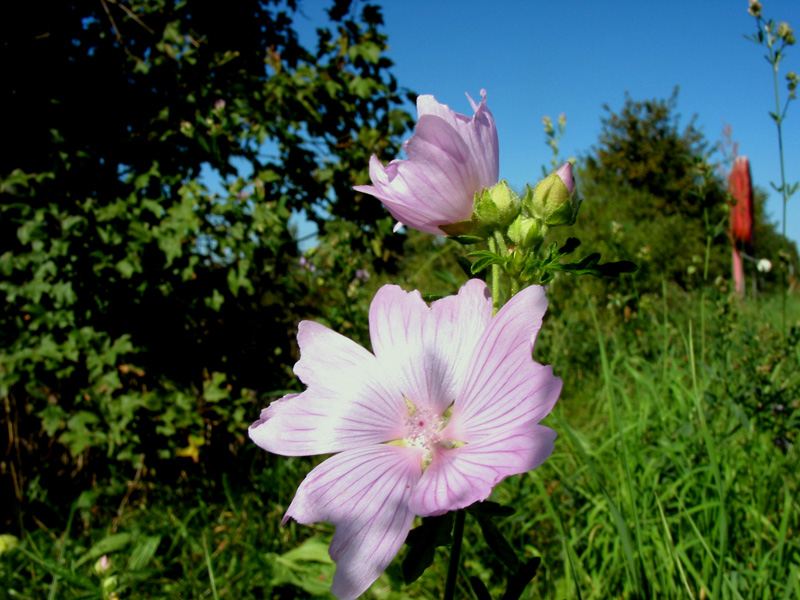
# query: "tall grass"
{"type": "Point", "coordinates": [667, 482]}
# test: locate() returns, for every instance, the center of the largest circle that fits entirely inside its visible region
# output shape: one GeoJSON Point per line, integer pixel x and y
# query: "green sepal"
{"type": "Point", "coordinates": [469, 229]}
{"type": "Point", "coordinates": [466, 240]}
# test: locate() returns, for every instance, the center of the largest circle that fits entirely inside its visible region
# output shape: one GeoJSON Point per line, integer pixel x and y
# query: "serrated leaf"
{"type": "Point", "coordinates": [484, 258]}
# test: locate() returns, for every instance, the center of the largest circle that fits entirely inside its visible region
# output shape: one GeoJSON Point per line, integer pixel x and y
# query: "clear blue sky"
{"type": "Point", "coordinates": [539, 58]}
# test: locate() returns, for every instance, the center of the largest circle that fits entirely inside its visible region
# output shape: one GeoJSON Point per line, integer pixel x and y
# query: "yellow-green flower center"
{"type": "Point", "coordinates": [424, 431]}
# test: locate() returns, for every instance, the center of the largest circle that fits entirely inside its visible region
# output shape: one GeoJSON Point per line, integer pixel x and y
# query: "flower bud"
{"type": "Point", "coordinates": [526, 232]}
{"type": "Point", "coordinates": [102, 565]}
{"type": "Point", "coordinates": [754, 8]}
{"type": "Point", "coordinates": [494, 209]}
{"type": "Point", "coordinates": [553, 199]}
{"type": "Point", "coordinates": [497, 207]}
{"type": "Point", "coordinates": [785, 32]}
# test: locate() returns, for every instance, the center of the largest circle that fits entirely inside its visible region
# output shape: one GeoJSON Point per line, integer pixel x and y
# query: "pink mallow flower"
{"type": "Point", "coordinates": [446, 406]}
{"type": "Point", "coordinates": [450, 157]}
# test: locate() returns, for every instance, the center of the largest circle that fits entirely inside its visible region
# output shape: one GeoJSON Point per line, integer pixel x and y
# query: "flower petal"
{"type": "Point", "coordinates": [504, 386]}
{"type": "Point", "coordinates": [451, 157]}
{"type": "Point", "coordinates": [425, 350]}
{"type": "Point", "coordinates": [349, 402]}
{"type": "Point", "coordinates": [462, 476]}
{"type": "Point", "coordinates": [478, 132]}
{"type": "Point", "coordinates": [435, 186]}
{"type": "Point", "coordinates": [364, 493]}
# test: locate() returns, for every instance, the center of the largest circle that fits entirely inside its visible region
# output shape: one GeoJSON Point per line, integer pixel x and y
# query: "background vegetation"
{"type": "Point", "coordinates": [152, 285]}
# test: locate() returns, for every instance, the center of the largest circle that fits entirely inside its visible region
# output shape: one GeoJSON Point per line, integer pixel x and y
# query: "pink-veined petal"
{"type": "Point", "coordinates": [504, 386]}
{"type": "Point", "coordinates": [364, 493]}
{"type": "Point", "coordinates": [451, 157]}
{"type": "Point", "coordinates": [479, 133]}
{"type": "Point", "coordinates": [349, 403]}
{"type": "Point", "coordinates": [435, 186]}
{"type": "Point", "coordinates": [462, 476]}
{"type": "Point", "coordinates": [425, 350]}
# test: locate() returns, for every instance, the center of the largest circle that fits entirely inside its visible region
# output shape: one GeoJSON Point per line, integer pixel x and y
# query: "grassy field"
{"type": "Point", "coordinates": [675, 476]}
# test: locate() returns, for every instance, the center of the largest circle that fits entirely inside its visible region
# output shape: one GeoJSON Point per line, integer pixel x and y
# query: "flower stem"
{"type": "Point", "coordinates": [455, 555]}
{"type": "Point", "coordinates": [784, 196]}
{"type": "Point", "coordinates": [495, 277]}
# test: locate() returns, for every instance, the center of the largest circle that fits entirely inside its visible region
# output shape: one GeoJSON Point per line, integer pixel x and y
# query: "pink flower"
{"type": "Point", "coordinates": [446, 406]}
{"type": "Point", "coordinates": [450, 157]}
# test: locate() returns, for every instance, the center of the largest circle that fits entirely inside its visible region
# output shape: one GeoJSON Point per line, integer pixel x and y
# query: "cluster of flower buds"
{"type": "Point", "coordinates": [792, 80]}
{"type": "Point", "coordinates": [786, 33]}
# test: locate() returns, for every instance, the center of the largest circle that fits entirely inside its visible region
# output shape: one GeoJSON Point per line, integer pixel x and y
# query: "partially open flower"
{"type": "Point", "coordinates": [448, 405]}
{"type": "Point", "coordinates": [451, 157]}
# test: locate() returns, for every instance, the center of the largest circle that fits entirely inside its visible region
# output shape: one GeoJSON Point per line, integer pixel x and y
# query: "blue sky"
{"type": "Point", "coordinates": [539, 58]}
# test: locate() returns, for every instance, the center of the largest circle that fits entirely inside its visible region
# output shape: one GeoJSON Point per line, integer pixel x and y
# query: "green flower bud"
{"type": "Point", "coordinates": [553, 200]}
{"type": "Point", "coordinates": [526, 232]}
{"type": "Point", "coordinates": [494, 210]}
{"type": "Point", "coordinates": [496, 207]}
{"type": "Point", "coordinates": [7, 543]}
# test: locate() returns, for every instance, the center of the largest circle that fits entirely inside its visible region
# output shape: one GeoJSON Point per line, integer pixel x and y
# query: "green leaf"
{"type": "Point", "coordinates": [143, 552]}
{"type": "Point", "coordinates": [479, 588]}
{"type": "Point", "coordinates": [422, 542]}
{"type": "Point", "coordinates": [569, 246]}
{"type": "Point", "coordinates": [107, 545]}
{"type": "Point", "coordinates": [485, 258]}
{"type": "Point", "coordinates": [496, 541]}
{"type": "Point", "coordinates": [520, 579]}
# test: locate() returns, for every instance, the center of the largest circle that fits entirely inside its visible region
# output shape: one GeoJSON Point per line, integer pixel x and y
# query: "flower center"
{"type": "Point", "coordinates": [424, 431]}
{"type": "Point", "coordinates": [422, 428]}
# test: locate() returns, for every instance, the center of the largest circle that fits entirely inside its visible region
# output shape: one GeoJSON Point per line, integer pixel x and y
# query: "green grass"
{"type": "Point", "coordinates": [666, 483]}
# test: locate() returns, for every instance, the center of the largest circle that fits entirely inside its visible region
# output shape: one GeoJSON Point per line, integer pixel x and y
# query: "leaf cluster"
{"type": "Point", "coordinates": [148, 267]}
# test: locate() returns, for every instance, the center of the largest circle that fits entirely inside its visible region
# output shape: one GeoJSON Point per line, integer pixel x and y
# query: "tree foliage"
{"type": "Point", "coordinates": [154, 154]}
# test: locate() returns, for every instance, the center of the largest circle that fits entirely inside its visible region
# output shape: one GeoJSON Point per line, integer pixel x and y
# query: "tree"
{"type": "Point", "coordinates": [138, 296]}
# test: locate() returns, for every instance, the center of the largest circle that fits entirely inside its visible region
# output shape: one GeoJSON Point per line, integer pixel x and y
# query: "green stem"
{"type": "Point", "coordinates": [495, 277]}
{"type": "Point", "coordinates": [455, 555]}
{"type": "Point", "coordinates": [779, 123]}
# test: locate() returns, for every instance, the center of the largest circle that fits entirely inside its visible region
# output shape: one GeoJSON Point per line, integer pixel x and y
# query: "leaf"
{"type": "Point", "coordinates": [491, 509]}
{"type": "Point", "coordinates": [143, 552]}
{"type": "Point", "coordinates": [495, 540]}
{"type": "Point", "coordinates": [479, 588]}
{"type": "Point", "coordinates": [520, 579]}
{"type": "Point", "coordinates": [466, 240]}
{"type": "Point", "coordinates": [485, 258]}
{"type": "Point", "coordinates": [107, 545]}
{"type": "Point", "coordinates": [569, 246]}
{"type": "Point", "coordinates": [422, 542]}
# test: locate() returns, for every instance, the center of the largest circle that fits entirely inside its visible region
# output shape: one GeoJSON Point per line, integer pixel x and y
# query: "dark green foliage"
{"type": "Point", "coordinates": [651, 196]}
{"type": "Point", "coordinates": [148, 312]}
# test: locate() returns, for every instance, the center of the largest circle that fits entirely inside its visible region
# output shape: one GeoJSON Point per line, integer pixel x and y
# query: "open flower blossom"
{"type": "Point", "coordinates": [451, 157]}
{"type": "Point", "coordinates": [446, 406]}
